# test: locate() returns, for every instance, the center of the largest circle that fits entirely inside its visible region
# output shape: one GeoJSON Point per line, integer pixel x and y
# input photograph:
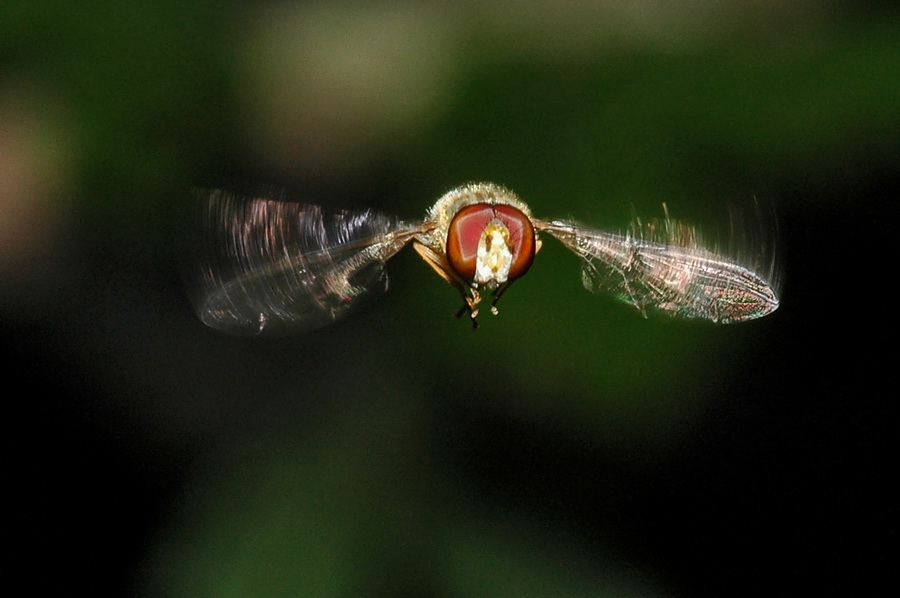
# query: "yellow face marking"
{"type": "Point", "coordinates": [494, 254]}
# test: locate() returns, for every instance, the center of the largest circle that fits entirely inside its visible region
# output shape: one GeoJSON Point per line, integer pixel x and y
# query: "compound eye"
{"type": "Point", "coordinates": [521, 237]}
{"type": "Point", "coordinates": [483, 224]}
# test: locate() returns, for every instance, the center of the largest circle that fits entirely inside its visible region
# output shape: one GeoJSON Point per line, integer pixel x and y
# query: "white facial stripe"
{"type": "Point", "coordinates": [494, 254]}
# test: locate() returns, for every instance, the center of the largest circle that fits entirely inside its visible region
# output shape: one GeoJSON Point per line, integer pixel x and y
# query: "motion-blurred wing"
{"type": "Point", "coordinates": [272, 267]}
{"type": "Point", "coordinates": [680, 280]}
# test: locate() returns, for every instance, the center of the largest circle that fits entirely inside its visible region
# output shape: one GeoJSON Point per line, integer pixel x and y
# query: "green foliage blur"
{"type": "Point", "coordinates": [362, 459]}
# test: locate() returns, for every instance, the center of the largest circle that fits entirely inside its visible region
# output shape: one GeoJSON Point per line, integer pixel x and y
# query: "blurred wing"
{"type": "Point", "coordinates": [680, 280]}
{"type": "Point", "coordinates": [270, 267]}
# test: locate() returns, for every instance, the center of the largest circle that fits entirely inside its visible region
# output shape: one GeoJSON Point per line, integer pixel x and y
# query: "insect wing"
{"type": "Point", "coordinates": [680, 280]}
{"type": "Point", "coordinates": [269, 267]}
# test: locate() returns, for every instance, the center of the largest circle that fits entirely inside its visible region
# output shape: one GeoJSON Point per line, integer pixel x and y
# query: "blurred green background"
{"type": "Point", "coordinates": [569, 447]}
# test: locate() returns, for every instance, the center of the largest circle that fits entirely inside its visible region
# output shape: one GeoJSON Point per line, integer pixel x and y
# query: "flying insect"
{"type": "Point", "coordinates": [275, 267]}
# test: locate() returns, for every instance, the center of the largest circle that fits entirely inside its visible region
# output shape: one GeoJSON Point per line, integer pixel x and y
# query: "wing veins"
{"type": "Point", "coordinates": [679, 280]}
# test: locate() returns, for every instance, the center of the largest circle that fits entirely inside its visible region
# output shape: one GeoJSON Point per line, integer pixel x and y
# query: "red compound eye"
{"type": "Point", "coordinates": [468, 227]}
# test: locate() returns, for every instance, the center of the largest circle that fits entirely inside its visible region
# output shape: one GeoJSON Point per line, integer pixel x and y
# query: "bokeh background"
{"type": "Point", "coordinates": [569, 447]}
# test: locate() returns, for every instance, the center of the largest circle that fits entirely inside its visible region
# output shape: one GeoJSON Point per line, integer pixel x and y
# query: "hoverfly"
{"type": "Point", "coordinates": [270, 266]}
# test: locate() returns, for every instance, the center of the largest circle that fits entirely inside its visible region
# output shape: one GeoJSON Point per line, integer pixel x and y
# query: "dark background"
{"type": "Point", "coordinates": [569, 447]}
